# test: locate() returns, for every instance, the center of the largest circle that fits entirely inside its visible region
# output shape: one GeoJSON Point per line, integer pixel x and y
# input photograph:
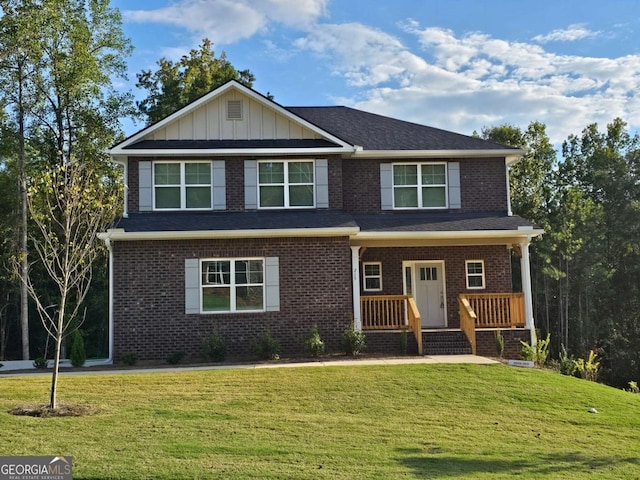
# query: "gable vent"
{"type": "Point", "coordinates": [234, 109]}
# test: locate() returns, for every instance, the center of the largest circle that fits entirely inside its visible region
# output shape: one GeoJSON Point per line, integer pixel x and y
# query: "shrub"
{"type": "Point", "coordinates": [353, 341]}
{"type": "Point", "coordinates": [130, 358]}
{"type": "Point", "coordinates": [538, 354]}
{"type": "Point", "coordinates": [313, 344]}
{"type": "Point", "coordinates": [589, 367]}
{"type": "Point", "coordinates": [633, 387]}
{"type": "Point", "coordinates": [267, 347]}
{"type": "Point", "coordinates": [567, 364]}
{"type": "Point", "coordinates": [214, 348]}
{"type": "Point", "coordinates": [499, 343]}
{"type": "Point", "coordinates": [176, 357]}
{"type": "Point", "coordinates": [41, 363]}
{"type": "Point", "coordinates": [78, 356]}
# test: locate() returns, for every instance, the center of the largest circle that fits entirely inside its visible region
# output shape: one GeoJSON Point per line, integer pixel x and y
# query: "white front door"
{"type": "Point", "coordinates": [429, 293]}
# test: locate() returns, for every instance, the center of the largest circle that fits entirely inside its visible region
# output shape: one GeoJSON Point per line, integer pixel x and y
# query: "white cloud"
{"type": "Point", "coordinates": [573, 33]}
{"type": "Point", "coordinates": [227, 21]}
{"type": "Point", "coordinates": [465, 82]}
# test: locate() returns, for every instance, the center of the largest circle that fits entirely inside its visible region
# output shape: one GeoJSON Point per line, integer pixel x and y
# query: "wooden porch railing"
{"type": "Point", "coordinates": [468, 321]}
{"type": "Point", "coordinates": [415, 321]}
{"type": "Point", "coordinates": [391, 312]}
{"type": "Point", "coordinates": [497, 310]}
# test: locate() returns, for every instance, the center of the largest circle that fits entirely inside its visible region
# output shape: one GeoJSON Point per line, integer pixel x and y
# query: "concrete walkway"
{"type": "Point", "coordinates": [471, 359]}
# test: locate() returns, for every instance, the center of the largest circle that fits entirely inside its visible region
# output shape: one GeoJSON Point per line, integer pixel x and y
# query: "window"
{"type": "Point", "coordinates": [180, 185]}
{"type": "Point", "coordinates": [232, 285]}
{"type": "Point", "coordinates": [475, 274]}
{"type": "Point", "coordinates": [420, 185]}
{"type": "Point", "coordinates": [286, 184]}
{"type": "Point", "coordinates": [372, 273]}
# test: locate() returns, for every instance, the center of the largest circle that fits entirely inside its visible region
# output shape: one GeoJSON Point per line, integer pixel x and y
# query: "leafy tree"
{"type": "Point", "coordinates": [68, 115]}
{"type": "Point", "coordinates": [175, 84]}
{"type": "Point", "coordinates": [66, 243]}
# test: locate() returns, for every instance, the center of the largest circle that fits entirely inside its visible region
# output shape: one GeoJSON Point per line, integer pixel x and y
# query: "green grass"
{"type": "Point", "coordinates": [384, 422]}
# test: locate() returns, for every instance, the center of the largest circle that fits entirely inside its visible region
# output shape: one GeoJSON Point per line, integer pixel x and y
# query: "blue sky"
{"type": "Point", "coordinates": [453, 64]}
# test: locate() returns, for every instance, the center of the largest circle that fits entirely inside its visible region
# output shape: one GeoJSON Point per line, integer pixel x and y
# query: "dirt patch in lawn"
{"type": "Point", "coordinates": [63, 410]}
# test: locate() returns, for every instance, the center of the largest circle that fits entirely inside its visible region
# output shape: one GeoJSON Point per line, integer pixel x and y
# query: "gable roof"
{"type": "Point", "coordinates": [333, 129]}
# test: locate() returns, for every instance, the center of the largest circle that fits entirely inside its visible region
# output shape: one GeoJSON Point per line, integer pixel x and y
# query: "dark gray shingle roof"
{"type": "Point", "coordinates": [300, 219]}
{"type": "Point", "coordinates": [377, 132]}
{"type": "Point", "coordinates": [221, 221]}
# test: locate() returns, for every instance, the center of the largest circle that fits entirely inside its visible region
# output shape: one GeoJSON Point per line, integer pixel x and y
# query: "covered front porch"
{"type": "Point", "coordinates": [476, 312]}
{"type": "Point", "coordinates": [455, 289]}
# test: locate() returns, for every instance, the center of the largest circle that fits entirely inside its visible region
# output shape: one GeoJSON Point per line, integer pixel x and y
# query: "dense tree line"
{"type": "Point", "coordinates": [586, 268]}
{"type": "Point", "coordinates": [58, 107]}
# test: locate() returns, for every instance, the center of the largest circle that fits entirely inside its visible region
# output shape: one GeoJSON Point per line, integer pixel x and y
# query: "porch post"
{"type": "Point", "coordinates": [355, 281]}
{"type": "Point", "coordinates": [525, 270]}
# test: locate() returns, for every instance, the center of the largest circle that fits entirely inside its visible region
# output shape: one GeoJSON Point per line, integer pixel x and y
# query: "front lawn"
{"type": "Point", "coordinates": [385, 422]}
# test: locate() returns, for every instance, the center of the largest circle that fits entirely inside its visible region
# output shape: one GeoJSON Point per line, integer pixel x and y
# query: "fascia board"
{"type": "Point", "coordinates": [120, 234]}
{"type": "Point", "coordinates": [513, 155]}
{"type": "Point", "coordinates": [466, 235]}
{"type": "Point", "coordinates": [186, 152]}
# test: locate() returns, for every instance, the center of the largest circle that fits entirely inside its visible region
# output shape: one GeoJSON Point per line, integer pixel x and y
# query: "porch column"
{"type": "Point", "coordinates": [355, 281]}
{"type": "Point", "coordinates": [525, 269]}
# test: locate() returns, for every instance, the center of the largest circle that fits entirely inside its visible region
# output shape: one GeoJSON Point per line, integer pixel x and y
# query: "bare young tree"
{"type": "Point", "coordinates": [69, 205]}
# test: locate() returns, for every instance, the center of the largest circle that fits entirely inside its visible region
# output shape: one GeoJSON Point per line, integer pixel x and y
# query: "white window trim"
{"type": "Point", "coordinates": [469, 275]}
{"type": "Point", "coordinates": [183, 185]}
{"type": "Point", "coordinates": [232, 285]}
{"type": "Point", "coordinates": [365, 277]}
{"type": "Point", "coordinates": [419, 186]}
{"type": "Point", "coordinates": [286, 183]}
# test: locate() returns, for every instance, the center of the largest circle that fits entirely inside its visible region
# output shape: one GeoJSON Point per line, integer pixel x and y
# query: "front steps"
{"type": "Point", "coordinates": [445, 342]}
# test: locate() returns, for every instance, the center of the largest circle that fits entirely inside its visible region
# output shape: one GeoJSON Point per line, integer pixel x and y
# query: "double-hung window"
{"type": "Point", "coordinates": [372, 274]}
{"type": "Point", "coordinates": [286, 184]}
{"type": "Point", "coordinates": [475, 274]}
{"type": "Point", "coordinates": [232, 285]}
{"type": "Point", "coordinates": [420, 185]}
{"type": "Point", "coordinates": [182, 185]}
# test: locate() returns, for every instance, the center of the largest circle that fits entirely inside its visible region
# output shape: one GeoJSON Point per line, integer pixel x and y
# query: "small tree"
{"type": "Point", "coordinates": [69, 205]}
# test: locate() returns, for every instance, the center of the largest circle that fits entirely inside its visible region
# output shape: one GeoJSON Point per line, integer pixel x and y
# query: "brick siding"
{"type": "Point", "coordinates": [149, 307]}
{"type": "Point", "coordinates": [486, 342]}
{"type": "Point", "coordinates": [354, 184]}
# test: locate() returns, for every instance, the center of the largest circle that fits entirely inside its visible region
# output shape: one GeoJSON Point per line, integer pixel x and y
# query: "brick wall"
{"type": "Point", "coordinates": [149, 310]}
{"type": "Point", "coordinates": [482, 183]}
{"type": "Point", "coordinates": [354, 184]}
{"type": "Point", "coordinates": [497, 265]}
{"type": "Point", "coordinates": [486, 342]}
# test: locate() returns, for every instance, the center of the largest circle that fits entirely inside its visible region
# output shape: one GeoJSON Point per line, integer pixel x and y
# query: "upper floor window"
{"type": "Point", "coordinates": [286, 184]}
{"type": "Point", "coordinates": [182, 185]}
{"type": "Point", "coordinates": [420, 185]}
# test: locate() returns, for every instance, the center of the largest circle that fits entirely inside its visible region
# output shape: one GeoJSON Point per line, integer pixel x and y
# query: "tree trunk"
{"type": "Point", "coordinates": [24, 261]}
{"type": "Point", "coordinates": [53, 403]}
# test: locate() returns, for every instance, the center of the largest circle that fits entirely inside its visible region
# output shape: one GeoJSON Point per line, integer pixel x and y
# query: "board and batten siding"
{"type": "Point", "coordinates": [209, 122]}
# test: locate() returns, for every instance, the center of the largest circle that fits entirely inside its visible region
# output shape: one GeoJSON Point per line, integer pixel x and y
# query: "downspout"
{"type": "Point", "coordinates": [507, 169]}
{"type": "Point", "coordinates": [107, 242]}
{"type": "Point", "coordinates": [355, 281]}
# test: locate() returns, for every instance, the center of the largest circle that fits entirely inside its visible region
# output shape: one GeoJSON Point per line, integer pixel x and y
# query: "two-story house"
{"type": "Point", "coordinates": [242, 216]}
